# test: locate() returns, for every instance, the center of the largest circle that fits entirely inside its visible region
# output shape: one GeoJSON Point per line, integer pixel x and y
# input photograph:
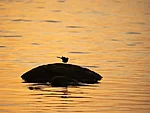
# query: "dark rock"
{"type": "Point", "coordinates": [46, 73]}
{"type": "Point", "coordinates": [60, 81]}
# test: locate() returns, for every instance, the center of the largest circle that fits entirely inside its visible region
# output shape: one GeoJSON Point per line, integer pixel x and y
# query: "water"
{"type": "Point", "coordinates": [108, 37]}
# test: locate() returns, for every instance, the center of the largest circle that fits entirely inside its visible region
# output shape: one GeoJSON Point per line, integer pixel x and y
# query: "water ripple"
{"type": "Point", "coordinates": [3, 46]}
{"type": "Point", "coordinates": [133, 32]}
{"type": "Point", "coordinates": [74, 26]}
{"type": "Point", "coordinates": [52, 21]}
{"type": "Point", "coordinates": [92, 66]}
{"type": "Point", "coordinates": [22, 20]}
{"type": "Point", "coordinates": [77, 52]}
{"type": "Point", "coordinates": [10, 36]}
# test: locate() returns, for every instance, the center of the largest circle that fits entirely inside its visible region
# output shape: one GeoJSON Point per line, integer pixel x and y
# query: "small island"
{"type": "Point", "coordinates": [75, 74]}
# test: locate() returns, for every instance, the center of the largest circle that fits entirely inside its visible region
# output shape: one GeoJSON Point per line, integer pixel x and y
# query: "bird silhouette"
{"type": "Point", "coordinates": [64, 59]}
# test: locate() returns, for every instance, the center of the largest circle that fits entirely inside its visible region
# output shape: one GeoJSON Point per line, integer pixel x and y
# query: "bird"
{"type": "Point", "coordinates": [64, 59]}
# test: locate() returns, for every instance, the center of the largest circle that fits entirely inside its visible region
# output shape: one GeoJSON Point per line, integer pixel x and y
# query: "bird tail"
{"type": "Point", "coordinates": [59, 57]}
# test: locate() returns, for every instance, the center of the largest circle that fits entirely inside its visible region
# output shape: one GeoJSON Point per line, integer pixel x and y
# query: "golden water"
{"type": "Point", "coordinates": [110, 37]}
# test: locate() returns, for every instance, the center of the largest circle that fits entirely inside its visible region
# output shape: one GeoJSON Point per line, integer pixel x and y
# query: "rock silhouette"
{"type": "Point", "coordinates": [62, 81]}
{"type": "Point", "coordinates": [46, 73]}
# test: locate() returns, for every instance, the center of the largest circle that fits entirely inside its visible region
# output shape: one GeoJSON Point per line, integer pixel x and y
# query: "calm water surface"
{"type": "Point", "coordinates": [110, 37]}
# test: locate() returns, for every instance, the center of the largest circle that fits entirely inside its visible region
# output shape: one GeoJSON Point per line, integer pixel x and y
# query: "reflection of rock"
{"type": "Point", "coordinates": [45, 73]}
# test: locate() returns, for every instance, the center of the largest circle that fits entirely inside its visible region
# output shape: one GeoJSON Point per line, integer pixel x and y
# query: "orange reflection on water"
{"type": "Point", "coordinates": [110, 38]}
